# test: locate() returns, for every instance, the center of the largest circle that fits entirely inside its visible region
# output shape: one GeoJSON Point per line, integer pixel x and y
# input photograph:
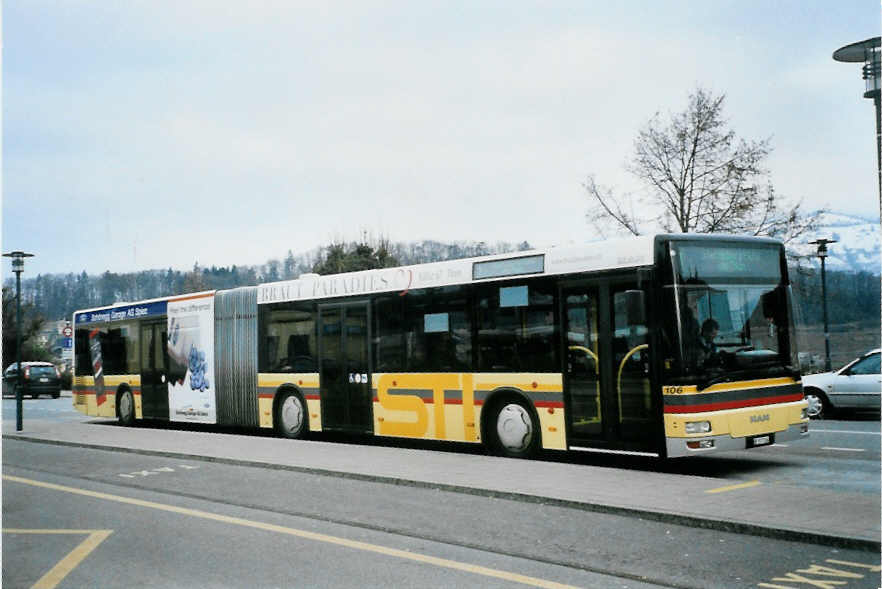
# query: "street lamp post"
{"type": "Point", "coordinates": [822, 253]}
{"type": "Point", "coordinates": [18, 268]}
{"type": "Point", "coordinates": [869, 52]}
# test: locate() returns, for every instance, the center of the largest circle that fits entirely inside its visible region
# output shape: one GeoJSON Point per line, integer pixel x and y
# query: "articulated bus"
{"type": "Point", "coordinates": [664, 345]}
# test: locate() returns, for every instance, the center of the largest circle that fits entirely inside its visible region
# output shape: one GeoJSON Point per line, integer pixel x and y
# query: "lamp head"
{"type": "Point", "coordinates": [822, 246]}
{"type": "Point", "coordinates": [18, 260]}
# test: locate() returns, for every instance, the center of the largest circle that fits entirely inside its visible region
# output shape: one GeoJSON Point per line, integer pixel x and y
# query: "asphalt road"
{"type": "Point", "coordinates": [161, 522]}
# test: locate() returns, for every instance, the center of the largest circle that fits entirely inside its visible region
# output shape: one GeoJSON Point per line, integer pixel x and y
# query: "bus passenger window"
{"type": "Point", "coordinates": [288, 338]}
{"type": "Point", "coordinates": [388, 335]}
{"type": "Point", "coordinates": [437, 331]}
{"type": "Point", "coordinates": [517, 329]}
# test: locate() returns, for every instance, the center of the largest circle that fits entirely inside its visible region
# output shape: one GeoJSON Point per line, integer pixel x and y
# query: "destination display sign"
{"type": "Point", "coordinates": [122, 313]}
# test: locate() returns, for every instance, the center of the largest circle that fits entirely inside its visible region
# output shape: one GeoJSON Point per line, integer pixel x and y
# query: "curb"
{"type": "Point", "coordinates": [787, 534]}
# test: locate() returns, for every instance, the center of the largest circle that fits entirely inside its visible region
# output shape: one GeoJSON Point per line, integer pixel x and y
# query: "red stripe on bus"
{"type": "Point", "coordinates": [476, 402]}
{"type": "Point", "coordinates": [191, 297]}
{"type": "Point", "coordinates": [732, 404]}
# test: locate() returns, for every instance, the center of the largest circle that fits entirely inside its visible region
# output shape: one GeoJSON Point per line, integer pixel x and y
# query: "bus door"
{"type": "Point", "coordinates": [583, 394]}
{"type": "Point", "coordinates": [606, 373]}
{"type": "Point", "coordinates": [154, 370]}
{"type": "Point", "coordinates": [344, 371]}
{"type": "Point", "coordinates": [638, 419]}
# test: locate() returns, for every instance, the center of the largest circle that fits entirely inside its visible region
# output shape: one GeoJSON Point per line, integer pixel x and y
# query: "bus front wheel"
{"type": "Point", "coordinates": [514, 430]}
{"type": "Point", "coordinates": [292, 420]}
{"type": "Point", "coordinates": [126, 407]}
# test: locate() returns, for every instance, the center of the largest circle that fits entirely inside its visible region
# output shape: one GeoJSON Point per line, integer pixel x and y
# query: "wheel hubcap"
{"type": "Point", "coordinates": [514, 428]}
{"type": "Point", "coordinates": [814, 405]}
{"type": "Point", "coordinates": [125, 405]}
{"type": "Point", "coordinates": [292, 415]}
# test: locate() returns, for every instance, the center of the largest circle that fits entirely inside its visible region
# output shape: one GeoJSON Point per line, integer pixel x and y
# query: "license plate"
{"type": "Point", "coordinates": [762, 441]}
{"type": "Point", "coordinates": [44, 380]}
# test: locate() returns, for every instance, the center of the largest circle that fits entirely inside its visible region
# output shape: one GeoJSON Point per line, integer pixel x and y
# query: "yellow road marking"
{"type": "Point", "coordinates": [356, 545]}
{"type": "Point", "coordinates": [734, 487]}
{"type": "Point", "coordinates": [57, 573]}
{"type": "Point", "coordinates": [871, 567]}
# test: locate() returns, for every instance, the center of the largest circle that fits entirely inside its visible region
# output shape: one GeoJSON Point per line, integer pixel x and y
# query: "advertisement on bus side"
{"type": "Point", "coordinates": [191, 387]}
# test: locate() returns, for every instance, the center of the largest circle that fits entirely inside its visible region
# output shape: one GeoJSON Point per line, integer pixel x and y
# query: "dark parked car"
{"type": "Point", "coordinates": [39, 378]}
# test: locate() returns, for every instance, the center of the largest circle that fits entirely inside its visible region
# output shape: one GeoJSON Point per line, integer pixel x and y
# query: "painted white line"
{"type": "Point", "coordinates": [843, 449]}
{"type": "Point", "coordinates": [781, 445]}
{"type": "Point", "coordinates": [842, 431]}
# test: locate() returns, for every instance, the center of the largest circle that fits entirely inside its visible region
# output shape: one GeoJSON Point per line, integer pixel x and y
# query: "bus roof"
{"type": "Point", "coordinates": [630, 252]}
{"type": "Point", "coordinates": [607, 255]}
{"type": "Point", "coordinates": [612, 254]}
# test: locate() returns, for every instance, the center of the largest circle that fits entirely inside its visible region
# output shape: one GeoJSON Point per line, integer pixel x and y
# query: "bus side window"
{"type": "Point", "coordinates": [388, 344]}
{"type": "Point", "coordinates": [517, 330]}
{"type": "Point", "coordinates": [288, 338]}
{"type": "Point", "coordinates": [437, 332]}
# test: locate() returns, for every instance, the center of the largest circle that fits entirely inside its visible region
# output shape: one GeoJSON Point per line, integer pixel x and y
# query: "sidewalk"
{"type": "Point", "coordinates": [802, 514]}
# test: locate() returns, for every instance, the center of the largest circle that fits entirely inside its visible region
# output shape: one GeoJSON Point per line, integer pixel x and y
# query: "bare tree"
{"type": "Point", "coordinates": [699, 178]}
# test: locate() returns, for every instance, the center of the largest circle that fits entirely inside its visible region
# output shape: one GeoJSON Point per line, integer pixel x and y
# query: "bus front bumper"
{"type": "Point", "coordinates": [679, 447]}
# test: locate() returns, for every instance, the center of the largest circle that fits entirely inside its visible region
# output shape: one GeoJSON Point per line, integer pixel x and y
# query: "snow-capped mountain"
{"type": "Point", "coordinates": [858, 242]}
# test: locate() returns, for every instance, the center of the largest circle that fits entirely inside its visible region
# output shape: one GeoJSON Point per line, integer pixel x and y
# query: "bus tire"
{"type": "Point", "coordinates": [512, 428]}
{"type": "Point", "coordinates": [125, 407]}
{"type": "Point", "coordinates": [291, 417]}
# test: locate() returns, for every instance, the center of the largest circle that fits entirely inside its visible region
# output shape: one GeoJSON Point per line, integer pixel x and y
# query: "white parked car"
{"type": "Point", "coordinates": [856, 385]}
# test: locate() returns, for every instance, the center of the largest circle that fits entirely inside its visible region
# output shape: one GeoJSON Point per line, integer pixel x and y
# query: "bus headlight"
{"type": "Point", "coordinates": [698, 427]}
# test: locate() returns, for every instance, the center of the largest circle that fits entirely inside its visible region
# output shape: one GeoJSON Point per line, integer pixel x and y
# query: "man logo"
{"type": "Point", "coordinates": [759, 418]}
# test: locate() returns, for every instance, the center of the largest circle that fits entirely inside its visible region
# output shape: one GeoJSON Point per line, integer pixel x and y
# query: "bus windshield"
{"type": "Point", "coordinates": [727, 313]}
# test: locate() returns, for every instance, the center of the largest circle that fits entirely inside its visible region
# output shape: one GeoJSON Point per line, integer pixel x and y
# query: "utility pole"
{"type": "Point", "coordinates": [822, 253]}
{"type": "Point", "coordinates": [18, 268]}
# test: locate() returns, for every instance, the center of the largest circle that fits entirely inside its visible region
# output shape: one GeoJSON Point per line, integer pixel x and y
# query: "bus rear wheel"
{"type": "Point", "coordinates": [126, 407]}
{"type": "Point", "coordinates": [292, 420]}
{"type": "Point", "coordinates": [513, 429]}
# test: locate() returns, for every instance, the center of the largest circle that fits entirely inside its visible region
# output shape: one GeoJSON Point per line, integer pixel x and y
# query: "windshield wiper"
{"type": "Point", "coordinates": [752, 372]}
{"type": "Point", "coordinates": [706, 384]}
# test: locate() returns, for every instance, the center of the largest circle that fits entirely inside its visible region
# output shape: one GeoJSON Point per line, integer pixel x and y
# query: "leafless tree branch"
{"type": "Point", "coordinates": [701, 177]}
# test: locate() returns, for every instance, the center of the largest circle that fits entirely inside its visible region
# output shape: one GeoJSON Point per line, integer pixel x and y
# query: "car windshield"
{"type": "Point", "coordinates": [867, 365]}
{"type": "Point", "coordinates": [727, 312]}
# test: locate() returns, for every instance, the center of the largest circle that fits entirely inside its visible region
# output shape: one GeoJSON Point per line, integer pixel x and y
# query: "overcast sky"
{"type": "Point", "coordinates": [156, 134]}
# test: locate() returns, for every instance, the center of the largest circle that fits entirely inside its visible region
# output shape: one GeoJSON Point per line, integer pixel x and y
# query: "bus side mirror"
{"type": "Point", "coordinates": [635, 303]}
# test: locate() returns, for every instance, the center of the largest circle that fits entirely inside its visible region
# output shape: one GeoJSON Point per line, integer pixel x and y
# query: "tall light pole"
{"type": "Point", "coordinates": [822, 253]}
{"type": "Point", "coordinates": [868, 52]}
{"type": "Point", "coordinates": [18, 268]}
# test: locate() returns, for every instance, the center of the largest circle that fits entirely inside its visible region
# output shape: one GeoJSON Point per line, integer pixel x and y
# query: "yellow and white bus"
{"type": "Point", "coordinates": [594, 348]}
